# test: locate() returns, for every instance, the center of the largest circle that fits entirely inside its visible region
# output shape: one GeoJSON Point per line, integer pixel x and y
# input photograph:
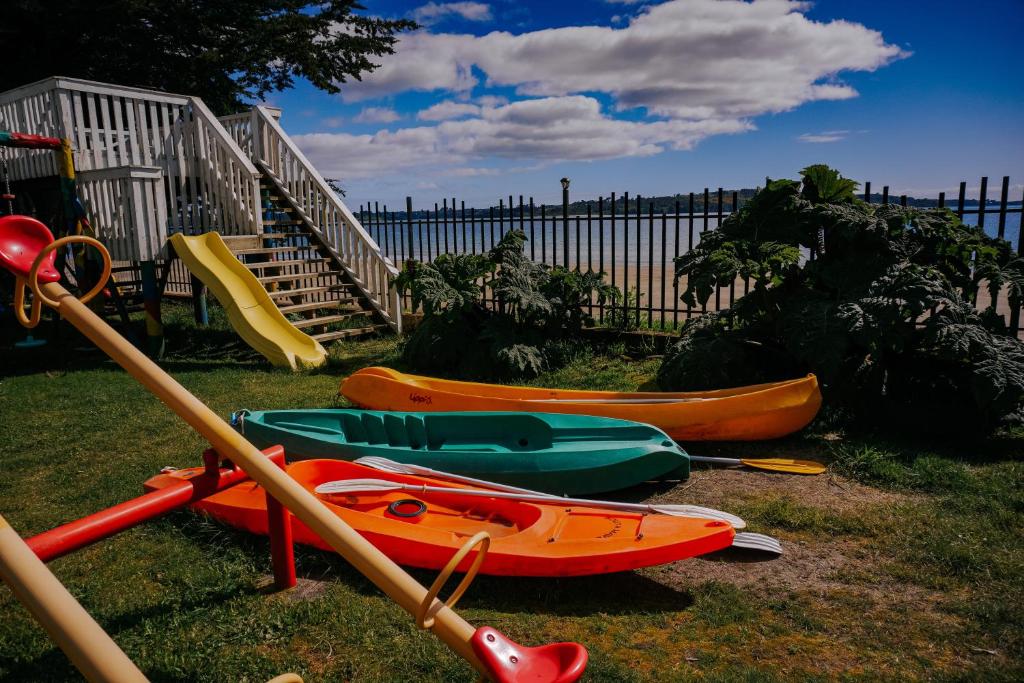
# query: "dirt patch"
{"type": "Point", "coordinates": [803, 566]}
{"type": "Point", "coordinates": [305, 589]}
{"type": "Point", "coordinates": [719, 487]}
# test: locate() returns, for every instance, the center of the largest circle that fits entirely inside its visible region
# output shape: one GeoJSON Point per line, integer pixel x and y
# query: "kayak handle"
{"type": "Point", "coordinates": [425, 613]}
{"type": "Point", "coordinates": [32, 282]}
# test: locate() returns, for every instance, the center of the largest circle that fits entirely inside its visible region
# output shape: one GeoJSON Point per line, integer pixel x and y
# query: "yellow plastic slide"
{"type": "Point", "coordinates": [250, 310]}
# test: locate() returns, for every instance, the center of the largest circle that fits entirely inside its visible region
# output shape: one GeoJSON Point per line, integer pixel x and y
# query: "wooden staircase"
{"type": "Point", "coordinates": [301, 275]}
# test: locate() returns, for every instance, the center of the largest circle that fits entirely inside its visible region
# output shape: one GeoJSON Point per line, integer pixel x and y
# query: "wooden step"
{"type": "Point", "coordinates": [291, 277]}
{"type": "Point", "coordinates": [271, 250]}
{"type": "Point", "coordinates": [316, 305]}
{"type": "Point", "coordinates": [327, 319]}
{"type": "Point", "coordinates": [303, 291]}
{"type": "Point", "coordinates": [351, 332]}
{"type": "Point", "coordinates": [282, 235]}
{"type": "Point", "coordinates": [282, 222]}
{"type": "Point", "coordinates": [260, 265]}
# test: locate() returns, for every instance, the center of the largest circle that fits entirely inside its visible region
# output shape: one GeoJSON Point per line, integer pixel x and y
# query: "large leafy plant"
{"type": "Point", "coordinates": [883, 313]}
{"type": "Point", "coordinates": [536, 307]}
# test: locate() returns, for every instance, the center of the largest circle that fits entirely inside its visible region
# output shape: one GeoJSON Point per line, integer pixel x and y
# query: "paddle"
{"type": "Point", "coordinates": [746, 540]}
{"type": "Point", "coordinates": [772, 464]}
{"type": "Point", "coordinates": [751, 541]}
{"type": "Point", "coordinates": [382, 486]}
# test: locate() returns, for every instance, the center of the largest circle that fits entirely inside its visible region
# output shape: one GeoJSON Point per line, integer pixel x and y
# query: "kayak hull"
{"type": "Point", "coordinates": [751, 413]}
{"type": "Point", "coordinates": [527, 539]}
{"type": "Point", "coordinates": [561, 454]}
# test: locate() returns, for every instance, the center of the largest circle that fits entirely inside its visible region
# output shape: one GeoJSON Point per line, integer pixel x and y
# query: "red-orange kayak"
{"type": "Point", "coordinates": [426, 529]}
{"type": "Point", "coordinates": [751, 413]}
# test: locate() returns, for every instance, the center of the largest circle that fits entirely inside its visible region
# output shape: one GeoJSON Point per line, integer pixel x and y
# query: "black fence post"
{"type": "Point", "coordinates": [408, 226]}
{"type": "Point", "coordinates": [565, 222]}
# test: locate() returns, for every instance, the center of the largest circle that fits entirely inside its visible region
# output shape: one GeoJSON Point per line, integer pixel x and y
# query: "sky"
{"type": "Point", "coordinates": [506, 97]}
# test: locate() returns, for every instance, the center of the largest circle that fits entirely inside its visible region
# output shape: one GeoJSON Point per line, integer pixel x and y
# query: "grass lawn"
{"type": "Point", "coordinates": [905, 561]}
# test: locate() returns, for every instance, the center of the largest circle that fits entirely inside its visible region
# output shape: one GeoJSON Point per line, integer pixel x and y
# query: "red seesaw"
{"type": "Point", "coordinates": [27, 250]}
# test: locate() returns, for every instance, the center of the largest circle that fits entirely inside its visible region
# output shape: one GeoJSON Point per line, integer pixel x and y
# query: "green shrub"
{"type": "Point", "coordinates": [884, 314]}
{"type": "Point", "coordinates": [538, 308]}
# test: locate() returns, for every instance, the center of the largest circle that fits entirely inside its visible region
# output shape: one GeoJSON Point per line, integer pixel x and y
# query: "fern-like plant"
{"type": "Point", "coordinates": [538, 306]}
{"type": "Point", "coordinates": [883, 314]}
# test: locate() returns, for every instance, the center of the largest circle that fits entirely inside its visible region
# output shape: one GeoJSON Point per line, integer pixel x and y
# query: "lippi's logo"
{"type": "Point", "coordinates": [419, 398]}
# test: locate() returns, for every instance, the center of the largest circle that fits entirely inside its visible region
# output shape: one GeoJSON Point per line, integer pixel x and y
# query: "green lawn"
{"type": "Point", "coordinates": [904, 562]}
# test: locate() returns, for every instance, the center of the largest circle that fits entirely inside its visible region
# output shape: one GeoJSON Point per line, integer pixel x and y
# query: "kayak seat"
{"type": "Point", "coordinates": [517, 433]}
{"type": "Point", "coordinates": [510, 662]}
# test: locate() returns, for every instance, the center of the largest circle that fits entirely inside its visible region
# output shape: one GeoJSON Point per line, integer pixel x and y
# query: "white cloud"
{"type": "Point", "coordinates": [689, 68]}
{"type": "Point", "coordinates": [433, 12]}
{"type": "Point", "coordinates": [471, 172]}
{"type": "Point", "coordinates": [442, 111]}
{"type": "Point", "coordinates": [824, 136]}
{"type": "Point", "coordinates": [695, 59]}
{"type": "Point", "coordinates": [377, 115]}
{"type": "Point", "coordinates": [544, 129]}
{"type": "Point", "coordinates": [491, 100]}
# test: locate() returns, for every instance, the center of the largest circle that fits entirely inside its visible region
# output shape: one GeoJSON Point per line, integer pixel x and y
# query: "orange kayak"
{"type": "Point", "coordinates": [751, 413]}
{"type": "Point", "coordinates": [424, 529]}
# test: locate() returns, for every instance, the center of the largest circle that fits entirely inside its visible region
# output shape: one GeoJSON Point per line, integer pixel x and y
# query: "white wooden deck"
{"type": "Point", "coordinates": [151, 163]}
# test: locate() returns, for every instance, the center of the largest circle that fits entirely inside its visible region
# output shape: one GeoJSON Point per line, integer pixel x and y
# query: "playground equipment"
{"type": "Point", "coordinates": [563, 454]}
{"type": "Point", "coordinates": [753, 413]}
{"type": "Point", "coordinates": [27, 250]}
{"type": "Point", "coordinates": [249, 308]}
{"type": "Point", "coordinates": [419, 521]}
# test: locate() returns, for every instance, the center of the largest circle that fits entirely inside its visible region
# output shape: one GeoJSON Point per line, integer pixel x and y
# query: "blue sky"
{"type": "Point", "coordinates": [500, 97]}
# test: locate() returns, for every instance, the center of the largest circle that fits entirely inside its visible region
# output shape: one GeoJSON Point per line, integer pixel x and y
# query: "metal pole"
{"type": "Point", "coordinates": [565, 222]}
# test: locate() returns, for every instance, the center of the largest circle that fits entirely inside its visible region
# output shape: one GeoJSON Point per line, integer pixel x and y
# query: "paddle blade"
{"type": "Point", "coordinates": [700, 513]}
{"type": "Point", "coordinates": [357, 486]}
{"type": "Point", "coordinates": [384, 464]}
{"type": "Point", "coordinates": [785, 465]}
{"type": "Point", "coordinates": [752, 541]}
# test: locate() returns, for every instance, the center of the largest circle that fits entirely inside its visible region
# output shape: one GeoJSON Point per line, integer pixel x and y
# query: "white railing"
{"type": "Point", "coordinates": [260, 135]}
{"type": "Point", "coordinates": [128, 209]}
{"type": "Point", "coordinates": [208, 182]}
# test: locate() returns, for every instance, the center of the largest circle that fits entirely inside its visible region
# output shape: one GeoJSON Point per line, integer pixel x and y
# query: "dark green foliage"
{"type": "Point", "coordinates": [539, 307]}
{"type": "Point", "coordinates": [884, 314]}
{"type": "Point", "coordinates": [225, 51]}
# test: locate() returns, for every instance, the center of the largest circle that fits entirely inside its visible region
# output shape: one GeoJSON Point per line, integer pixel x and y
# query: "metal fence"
{"type": "Point", "coordinates": [634, 240]}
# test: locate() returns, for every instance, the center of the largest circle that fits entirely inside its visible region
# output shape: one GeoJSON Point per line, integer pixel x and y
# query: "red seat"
{"type": "Point", "coordinates": [21, 240]}
{"type": "Point", "coordinates": [509, 662]}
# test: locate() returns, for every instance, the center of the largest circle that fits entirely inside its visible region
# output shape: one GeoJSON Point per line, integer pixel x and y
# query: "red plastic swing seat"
{"type": "Point", "coordinates": [21, 240]}
{"type": "Point", "coordinates": [509, 662]}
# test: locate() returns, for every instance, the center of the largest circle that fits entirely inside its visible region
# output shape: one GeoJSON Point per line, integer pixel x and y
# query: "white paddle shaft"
{"type": "Point", "coordinates": [720, 461]}
{"type": "Point", "coordinates": [379, 485]}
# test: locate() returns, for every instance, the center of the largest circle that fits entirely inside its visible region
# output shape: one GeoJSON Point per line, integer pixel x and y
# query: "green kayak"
{"type": "Point", "coordinates": [561, 454]}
